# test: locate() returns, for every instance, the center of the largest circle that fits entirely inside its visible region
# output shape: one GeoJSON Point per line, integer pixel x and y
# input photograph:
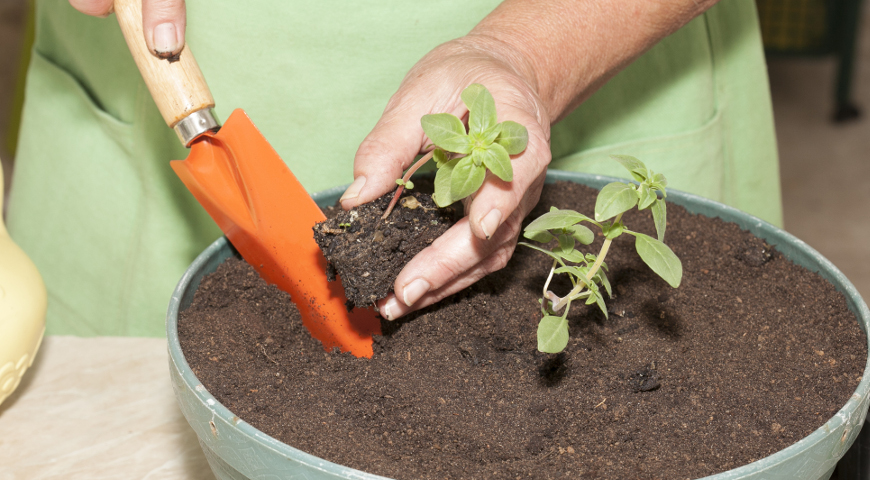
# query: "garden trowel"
{"type": "Point", "coordinates": [249, 192]}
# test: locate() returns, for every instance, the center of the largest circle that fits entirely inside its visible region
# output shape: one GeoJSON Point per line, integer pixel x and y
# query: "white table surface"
{"type": "Point", "coordinates": [98, 408]}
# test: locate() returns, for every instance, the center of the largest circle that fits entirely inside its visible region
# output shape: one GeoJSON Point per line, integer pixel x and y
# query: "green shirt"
{"type": "Point", "coordinates": [96, 206]}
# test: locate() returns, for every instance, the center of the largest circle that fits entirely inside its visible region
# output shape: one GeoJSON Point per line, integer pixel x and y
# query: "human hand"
{"type": "Point", "coordinates": [163, 22]}
{"type": "Point", "coordinates": [485, 239]}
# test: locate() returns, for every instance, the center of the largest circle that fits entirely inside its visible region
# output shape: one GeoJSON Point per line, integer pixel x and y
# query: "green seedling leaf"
{"type": "Point", "coordinates": [660, 180]}
{"type": "Point", "coordinates": [514, 137]}
{"type": "Point", "coordinates": [443, 177]}
{"type": "Point", "coordinates": [634, 166]}
{"type": "Point", "coordinates": [660, 217]}
{"type": "Point", "coordinates": [558, 258]}
{"type": "Point", "coordinates": [614, 199]}
{"type": "Point", "coordinates": [540, 237]}
{"type": "Point", "coordinates": [612, 230]}
{"type": "Point", "coordinates": [557, 219]}
{"type": "Point", "coordinates": [497, 160]}
{"type": "Point", "coordinates": [590, 259]}
{"type": "Point", "coordinates": [489, 136]}
{"type": "Point", "coordinates": [409, 185]}
{"type": "Point", "coordinates": [566, 244]}
{"type": "Point", "coordinates": [602, 279]}
{"type": "Point", "coordinates": [647, 197]}
{"type": "Point", "coordinates": [599, 300]}
{"type": "Point", "coordinates": [441, 157]}
{"type": "Point", "coordinates": [582, 234]}
{"type": "Point", "coordinates": [467, 177]}
{"type": "Point", "coordinates": [446, 131]}
{"type": "Point", "coordinates": [573, 256]}
{"type": "Point", "coordinates": [660, 258]}
{"type": "Point", "coordinates": [552, 334]}
{"type": "Point", "coordinates": [481, 108]}
{"type": "Point", "coordinates": [579, 272]}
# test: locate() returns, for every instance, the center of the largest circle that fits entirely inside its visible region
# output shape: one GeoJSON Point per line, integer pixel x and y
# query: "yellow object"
{"type": "Point", "coordinates": [22, 310]}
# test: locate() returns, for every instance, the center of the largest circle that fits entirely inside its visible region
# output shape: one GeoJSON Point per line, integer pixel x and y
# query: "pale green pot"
{"type": "Point", "coordinates": [236, 450]}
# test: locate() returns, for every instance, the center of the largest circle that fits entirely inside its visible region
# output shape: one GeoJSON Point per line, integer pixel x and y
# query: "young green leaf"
{"type": "Point", "coordinates": [660, 180]}
{"type": "Point", "coordinates": [467, 177]}
{"type": "Point", "coordinates": [409, 185]}
{"type": "Point", "coordinates": [441, 157]}
{"type": "Point", "coordinates": [612, 230]}
{"type": "Point", "coordinates": [630, 163]}
{"type": "Point", "coordinates": [602, 279]}
{"type": "Point", "coordinates": [447, 132]}
{"type": "Point", "coordinates": [614, 198]}
{"type": "Point", "coordinates": [514, 137]}
{"type": "Point", "coordinates": [566, 244]}
{"type": "Point", "coordinates": [600, 301]}
{"type": "Point", "coordinates": [557, 219]}
{"type": "Point", "coordinates": [647, 197]}
{"type": "Point", "coordinates": [481, 108]}
{"type": "Point", "coordinates": [552, 334]}
{"type": "Point", "coordinates": [443, 178]}
{"type": "Point", "coordinates": [660, 217]}
{"type": "Point", "coordinates": [489, 135]}
{"type": "Point", "coordinates": [660, 258]}
{"type": "Point", "coordinates": [497, 160]}
{"type": "Point", "coordinates": [579, 272]}
{"type": "Point", "coordinates": [552, 255]}
{"type": "Point", "coordinates": [572, 256]}
{"type": "Point", "coordinates": [582, 234]}
{"type": "Point", "coordinates": [540, 236]}
{"type": "Point", "coordinates": [634, 166]}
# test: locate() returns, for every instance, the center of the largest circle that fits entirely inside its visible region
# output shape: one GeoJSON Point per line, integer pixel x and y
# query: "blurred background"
{"type": "Point", "coordinates": [819, 67]}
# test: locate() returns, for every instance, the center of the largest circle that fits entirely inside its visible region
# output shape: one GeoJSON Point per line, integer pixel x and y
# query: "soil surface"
{"type": "Point", "coordinates": [368, 253]}
{"type": "Point", "coordinates": [749, 355]}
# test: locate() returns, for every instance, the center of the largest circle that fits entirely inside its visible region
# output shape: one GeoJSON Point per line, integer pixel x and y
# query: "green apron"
{"type": "Point", "coordinates": [96, 206]}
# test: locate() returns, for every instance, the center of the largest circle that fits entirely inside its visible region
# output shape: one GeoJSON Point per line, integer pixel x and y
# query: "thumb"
{"type": "Point", "coordinates": [385, 153]}
{"type": "Point", "coordinates": [163, 22]}
{"type": "Point", "coordinates": [97, 8]}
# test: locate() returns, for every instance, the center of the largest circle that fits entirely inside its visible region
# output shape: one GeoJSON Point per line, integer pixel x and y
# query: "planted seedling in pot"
{"type": "Point", "coordinates": [587, 271]}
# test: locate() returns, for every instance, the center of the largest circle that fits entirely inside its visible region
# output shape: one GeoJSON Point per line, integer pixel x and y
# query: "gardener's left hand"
{"type": "Point", "coordinates": [484, 240]}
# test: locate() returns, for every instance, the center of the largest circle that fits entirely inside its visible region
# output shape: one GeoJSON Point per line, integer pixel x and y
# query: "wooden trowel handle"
{"type": "Point", "coordinates": [177, 87]}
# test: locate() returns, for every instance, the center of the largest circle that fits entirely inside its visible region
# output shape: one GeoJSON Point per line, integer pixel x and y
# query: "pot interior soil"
{"type": "Point", "coordinates": [749, 355]}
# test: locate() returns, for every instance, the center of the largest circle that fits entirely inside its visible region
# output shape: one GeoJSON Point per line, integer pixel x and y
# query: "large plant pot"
{"type": "Point", "coordinates": [236, 450]}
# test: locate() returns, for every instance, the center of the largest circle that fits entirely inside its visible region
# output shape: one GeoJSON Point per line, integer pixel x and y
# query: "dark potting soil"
{"type": "Point", "coordinates": [750, 354]}
{"type": "Point", "coordinates": [368, 253]}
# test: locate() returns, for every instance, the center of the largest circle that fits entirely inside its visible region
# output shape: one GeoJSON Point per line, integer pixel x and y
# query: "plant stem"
{"type": "Point", "coordinates": [416, 166]}
{"type": "Point", "coordinates": [549, 277]}
{"type": "Point", "coordinates": [590, 274]}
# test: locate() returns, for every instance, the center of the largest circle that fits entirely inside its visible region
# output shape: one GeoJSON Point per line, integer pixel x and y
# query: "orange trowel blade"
{"type": "Point", "coordinates": [267, 215]}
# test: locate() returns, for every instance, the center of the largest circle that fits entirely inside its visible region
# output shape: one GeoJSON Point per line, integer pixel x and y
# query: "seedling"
{"type": "Point", "coordinates": [587, 271]}
{"type": "Point", "coordinates": [463, 156]}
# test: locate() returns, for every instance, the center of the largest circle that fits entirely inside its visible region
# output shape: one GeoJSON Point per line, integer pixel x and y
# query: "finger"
{"type": "Point", "coordinates": [96, 8]}
{"type": "Point", "coordinates": [396, 139]}
{"type": "Point", "coordinates": [391, 308]}
{"type": "Point", "coordinates": [497, 199]}
{"type": "Point", "coordinates": [164, 22]}
{"type": "Point", "coordinates": [453, 255]}
{"type": "Point", "coordinates": [385, 153]}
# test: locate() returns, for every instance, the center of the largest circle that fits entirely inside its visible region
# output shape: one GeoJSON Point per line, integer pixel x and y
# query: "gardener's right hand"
{"type": "Point", "coordinates": [163, 22]}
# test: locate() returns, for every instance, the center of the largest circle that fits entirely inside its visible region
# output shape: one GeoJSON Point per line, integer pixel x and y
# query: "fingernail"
{"type": "Point", "coordinates": [166, 38]}
{"type": "Point", "coordinates": [414, 290]}
{"type": "Point", "coordinates": [354, 189]}
{"type": "Point", "coordinates": [392, 305]}
{"type": "Point", "coordinates": [490, 222]}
